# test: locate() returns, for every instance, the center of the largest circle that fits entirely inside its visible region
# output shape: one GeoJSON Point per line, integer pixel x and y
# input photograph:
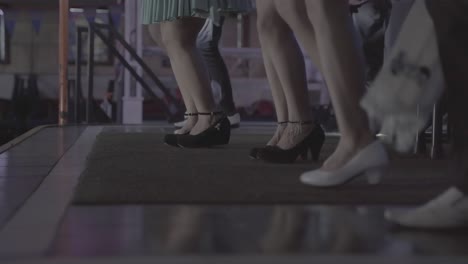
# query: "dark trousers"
{"type": "Point", "coordinates": [451, 24]}
{"type": "Point", "coordinates": [371, 21]}
{"type": "Point", "coordinates": [208, 44]}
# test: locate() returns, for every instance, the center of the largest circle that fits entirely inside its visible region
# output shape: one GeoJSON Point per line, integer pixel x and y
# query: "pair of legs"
{"type": "Point", "coordinates": [179, 38]}
{"type": "Point", "coordinates": [326, 31]}
{"type": "Point", "coordinates": [285, 68]}
{"type": "Point", "coordinates": [208, 43]}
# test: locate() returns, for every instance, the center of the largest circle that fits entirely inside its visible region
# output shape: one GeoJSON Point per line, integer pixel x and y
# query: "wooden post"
{"type": "Point", "coordinates": [63, 61]}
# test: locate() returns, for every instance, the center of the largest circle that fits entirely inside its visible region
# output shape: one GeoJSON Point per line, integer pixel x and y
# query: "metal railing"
{"type": "Point", "coordinates": [96, 30]}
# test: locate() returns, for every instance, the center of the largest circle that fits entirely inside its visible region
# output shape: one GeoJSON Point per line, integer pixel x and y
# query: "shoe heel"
{"type": "Point", "coordinates": [315, 150]}
{"type": "Point", "coordinates": [374, 175]}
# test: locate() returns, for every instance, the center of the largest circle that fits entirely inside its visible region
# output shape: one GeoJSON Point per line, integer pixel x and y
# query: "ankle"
{"type": "Point", "coordinates": [192, 119]}
{"type": "Point", "coordinates": [205, 119]}
{"type": "Point", "coordinates": [280, 128]}
{"type": "Point", "coordinates": [356, 142]}
{"type": "Point", "coordinates": [210, 117]}
{"type": "Point", "coordinates": [281, 125]}
{"type": "Point", "coordinates": [302, 126]}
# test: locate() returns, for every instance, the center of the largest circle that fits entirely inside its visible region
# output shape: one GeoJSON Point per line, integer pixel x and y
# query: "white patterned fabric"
{"type": "Point", "coordinates": [401, 98]}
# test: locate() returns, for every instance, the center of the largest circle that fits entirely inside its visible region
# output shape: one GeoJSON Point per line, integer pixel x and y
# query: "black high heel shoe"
{"type": "Point", "coordinates": [171, 139]}
{"type": "Point", "coordinates": [254, 151]}
{"type": "Point", "coordinates": [313, 143]}
{"type": "Point", "coordinates": [217, 134]}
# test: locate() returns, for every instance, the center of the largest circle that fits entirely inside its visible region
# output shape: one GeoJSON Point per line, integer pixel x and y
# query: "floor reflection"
{"type": "Point", "coordinates": [231, 230]}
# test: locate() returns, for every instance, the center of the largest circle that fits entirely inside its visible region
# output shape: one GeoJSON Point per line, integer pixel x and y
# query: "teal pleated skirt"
{"type": "Point", "coordinates": [156, 11]}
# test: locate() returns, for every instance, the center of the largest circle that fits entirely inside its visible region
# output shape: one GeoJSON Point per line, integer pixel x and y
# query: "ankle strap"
{"type": "Point", "coordinates": [191, 114]}
{"type": "Point", "coordinates": [211, 114]}
{"type": "Point", "coordinates": [282, 123]}
{"type": "Point", "coordinates": [302, 122]}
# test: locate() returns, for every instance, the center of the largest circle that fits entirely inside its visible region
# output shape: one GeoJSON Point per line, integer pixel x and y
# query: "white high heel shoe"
{"type": "Point", "coordinates": [369, 162]}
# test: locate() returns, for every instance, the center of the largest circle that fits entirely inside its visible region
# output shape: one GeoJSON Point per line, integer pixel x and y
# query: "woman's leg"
{"type": "Point", "coordinates": [279, 100]}
{"type": "Point", "coordinates": [342, 65]}
{"type": "Point", "coordinates": [266, 18]}
{"type": "Point", "coordinates": [155, 32]}
{"type": "Point", "coordinates": [179, 37]}
{"type": "Point", "coordinates": [294, 14]}
{"type": "Point", "coordinates": [281, 48]}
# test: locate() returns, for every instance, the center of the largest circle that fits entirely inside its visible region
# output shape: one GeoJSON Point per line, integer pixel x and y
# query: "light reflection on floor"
{"type": "Point", "coordinates": [182, 230]}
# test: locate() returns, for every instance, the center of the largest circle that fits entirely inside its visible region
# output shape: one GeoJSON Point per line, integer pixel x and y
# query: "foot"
{"type": "Point", "coordinates": [180, 124]}
{"type": "Point", "coordinates": [345, 152]}
{"type": "Point", "coordinates": [294, 134]}
{"type": "Point", "coordinates": [280, 128]}
{"type": "Point", "coordinates": [448, 210]}
{"type": "Point", "coordinates": [204, 122]}
{"type": "Point", "coordinates": [367, 162]}
{"type": "Point", "coordinates": [254, 153]}
{"type": "Point", "coordinates": [234, 119]}
{"type": "Point", "coordinates": [188, 125]}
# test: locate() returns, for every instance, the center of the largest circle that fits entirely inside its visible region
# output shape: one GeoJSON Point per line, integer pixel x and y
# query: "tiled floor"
{"type": "Point", "coordinates": [44, 228]}
{"type": "Point", "coordinates": [23, 167]}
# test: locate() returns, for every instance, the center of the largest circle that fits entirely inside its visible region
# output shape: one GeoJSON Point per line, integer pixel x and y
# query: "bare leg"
{"type": "Point", "coordinates": [294, 14]}
{"type": "Point", "coordinates": [281, 48]}
{"type": "Point", "coordinates": [278, 98]}
{"type": "Point", "coordinates": [265, 12]}
{"type": "Point", "coordinates": [155, 32]}
{"type": "Point", "coordinates": [179, 37]}
{"type": "Point", "coordinates": [343, 68]}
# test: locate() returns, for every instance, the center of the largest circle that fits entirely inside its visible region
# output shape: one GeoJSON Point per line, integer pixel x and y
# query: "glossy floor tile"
{"type": "Point", "coordinates": [24, 166]}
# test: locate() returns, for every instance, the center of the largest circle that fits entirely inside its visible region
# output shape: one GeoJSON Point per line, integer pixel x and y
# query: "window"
{"type": "Point", "coordinates": [4, 40]}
